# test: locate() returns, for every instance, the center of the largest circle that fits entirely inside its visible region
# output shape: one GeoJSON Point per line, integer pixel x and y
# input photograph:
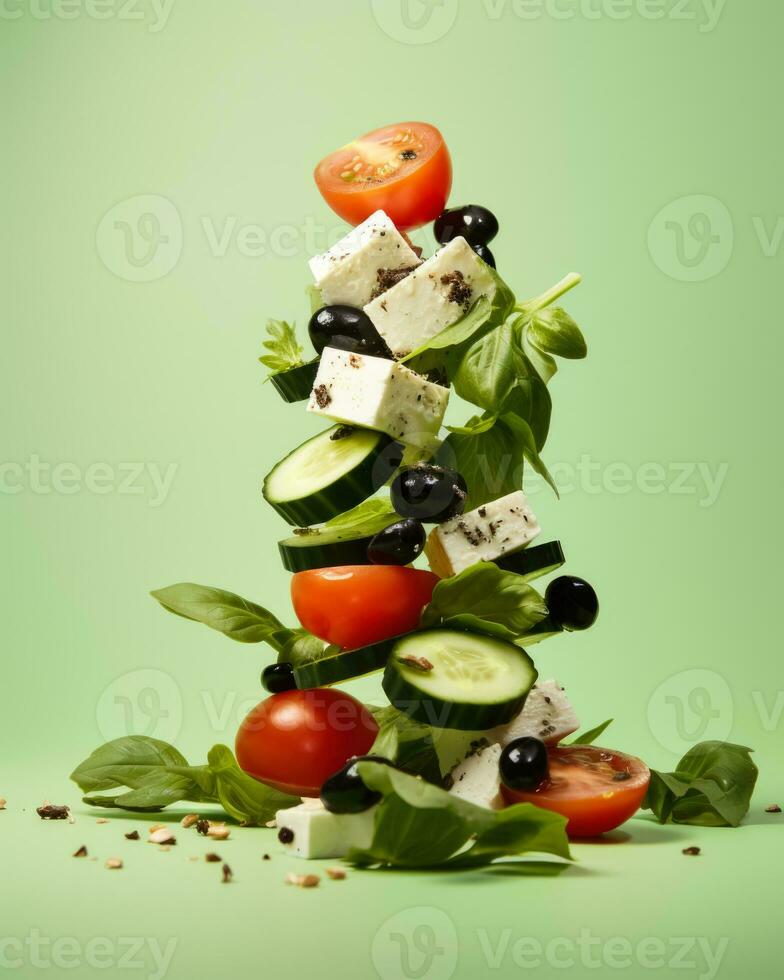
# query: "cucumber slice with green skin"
{"type": "Point", "coordinates": [330, 473]}
{"type": "Point", "coordinates": [543, 630]}
{"type": "Point", "coordinates": [533, 562]}
{"type": "Point", "coordinates": [344, 665]}
{"type": "Point", "coordinates": [296, 384]}
{"type": "Point", "coordinates": [455, 679]}
{"type": "Point", "coordinates": [328, 547]}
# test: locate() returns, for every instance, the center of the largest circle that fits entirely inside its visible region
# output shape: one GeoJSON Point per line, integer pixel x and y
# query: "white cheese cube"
{"type": "Point", "coordinates": [477, 779]}
{"type": "Point", "coordinates": [547, 715]}
{"type": "Point", "coordinates": [432, 298]}
{"type": "Point", "coordinates": [351, 272]}
{"type": "Point", "coordinates": [376, 393]}
{"type": "Point", "coordinates": [496, 528]}
{"type": "Point", "coordinates": [321, 834]}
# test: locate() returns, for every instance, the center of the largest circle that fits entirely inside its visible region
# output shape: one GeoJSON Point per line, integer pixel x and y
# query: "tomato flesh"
{"type": "Point", "coordinates": [355, 605]}
{"type": "Point", "coordinates": [296, 740]}
{"type": "Point", "coordinates": [403, 169]}
{"type": "Point", "coordinates": [584, 786]}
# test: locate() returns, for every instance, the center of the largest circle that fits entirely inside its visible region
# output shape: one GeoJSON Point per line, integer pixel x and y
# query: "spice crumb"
{"type": "Point", "coordinates": [773, 808]}
{"type": "Point", "coordinates": [113, 864]}
{"type": "Point", "coordinates": [265, 857]}
{"type": "Point", "coordinates": [228, 874]}
{"type": "Point", "coordinates": [189, 820]}
{"type": "Point", "coordinates": [102, 820]}
{"type": "Point", "coordinates": [3, 802]}
{"type": "Point", "coordinates": [218, 831]}
{"type": "Point", "coordinates": [133, 835]}
{"type": "Point", "coordinates": [51, 811]}
{"type": "Point", "coordinates": [81, 853]}
{"type": "Point", "coordinates": [212, 857]}
{"type": "Point", "coordinates": [693, 851]}
{"type": "Point", "coordinates": [336, 874]}
{"type": "Point", "coordinates": [202, 826]}
{"type": "Point", "coordinates": [302, 881]}
{"type": "Point", "coordinates": [162, 836]}
{"type": "Point", "coordinates": [418, 663]}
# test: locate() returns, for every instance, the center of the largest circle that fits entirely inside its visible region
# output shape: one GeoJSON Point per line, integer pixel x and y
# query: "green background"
{"type": "Point", "coordinates": [577, 131]}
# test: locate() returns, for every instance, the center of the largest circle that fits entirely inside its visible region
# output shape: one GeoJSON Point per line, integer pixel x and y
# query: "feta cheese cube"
{"type": "Point", "coordinates": [477, 779]}
{"type": "Point", "coordinates": [376, 393]}
{"type": "Point", "coordinates": [494, 529]}
{"type": "Point", "coordinates": [547, 715]}
{"type": "Point", "coordinates": [321, 834]}
{"type": "Point", "coordinates": [431, 298]}
{"type": "Point", "coordinates": [351, 272]}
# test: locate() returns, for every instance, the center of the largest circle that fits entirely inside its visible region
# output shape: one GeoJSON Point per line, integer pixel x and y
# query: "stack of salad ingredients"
{"type": "Point", "coordinates": [468, 761]}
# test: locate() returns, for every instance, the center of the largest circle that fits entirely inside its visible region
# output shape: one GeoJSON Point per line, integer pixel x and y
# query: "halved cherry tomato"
{"type": "Point", "coordinates": [354, 605]}
{"type": "Point", "coordinates": [296, 740]}
{"type": "Point", "coordinates": [596, 789]}
{"type": "Point", "coordinates": [403, 169]}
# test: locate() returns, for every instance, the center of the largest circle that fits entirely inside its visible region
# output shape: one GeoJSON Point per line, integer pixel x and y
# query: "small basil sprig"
{"type": "Point", "coordinates": [153, 774]}
{"type": "Point", "coordinates": [589, 737]}
{"type": "Point", "coordinates": [405, 742]}
{"type": "Point", "coordinates": [419, 825]}
{"type": "Point", "coordinates": [285, 351]}
{"type": "Point", "coordinates": [711, 786]}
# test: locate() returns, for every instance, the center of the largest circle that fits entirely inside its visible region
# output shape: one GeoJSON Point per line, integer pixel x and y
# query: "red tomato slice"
{"type": "Point", "coordinates": [584, 785]}
{"type": "Point", "coordinates": [355, 605]}
{"type": "Point", "coordinates": [296, 740]}
{"type": "Point", "coordinates": [404, 169]}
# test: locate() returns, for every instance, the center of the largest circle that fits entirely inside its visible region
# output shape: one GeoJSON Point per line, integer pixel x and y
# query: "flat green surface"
{"type": "Point", "coordinates": [643, 152]}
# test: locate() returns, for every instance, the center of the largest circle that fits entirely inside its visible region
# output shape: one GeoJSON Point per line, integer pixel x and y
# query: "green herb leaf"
{"type": "Point", "coordinates": [315, 299]}
{"type": "Point", "coordinates": [230, 614]}
{"type": "Point", "coordinates": [244, 798]}
{"type": "Point", "coordinates": [285, 350]}
{"type": "Point", "coordinates": [419, 825]}
{"type": "Point", "coordinates": [459, 331]}
{"type": "Point", "coordinates": [490, 462]}
{"type": "Point", "coordinates": [553, 331]}
{"type": "Point", "coordinates": [304, 648]}
{"type": "Point", "coordinates": [589, 737]}
{"type": "Point", "coordinates": [711, 787]}
{"type": "Point", "coordinates": [368, 517]}
{"type": "Point", "coordinates": [527, 441]}
{"type": "Point", "coordinates": [487, 593]}
{"type": "Point", "coordinates": [405, 742]}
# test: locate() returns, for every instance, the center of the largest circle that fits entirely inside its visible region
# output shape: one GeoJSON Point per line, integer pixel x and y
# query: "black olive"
{"type": "Point", "coordinates": [398, 544]}
{"type": "Point", "coordinates": [523, 763]}
{"type": "Point", "coordinates": [430, 493]}
{"type": "Point", "coordinates": [572, 602]}
{"type": "Point", "coordinates": [344, 792]}
{"type": "Point", "coordinates": [485, 254]}
{"type": "Point", "coordinates": [278, 677]}
{"type": "Point", "coordinates": [476, 224]}
{"type": "Point", "coordinates": [346, 328]}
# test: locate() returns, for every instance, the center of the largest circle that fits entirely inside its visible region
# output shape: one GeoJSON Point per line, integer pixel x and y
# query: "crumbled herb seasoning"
{"type": "Point", "coordinates": [459, 290]}
{"type": "Point", "coordinates": [387, 278]}
{"type": "Point", "coordinates": [285, 835]}
{"type": "Point", "coordinates": [50, 811]}
{"type": "Point", "coordinates": [202, 827]}
{"type": "Point", "coordinates": [483, 511]}
{"type": "Point", "coordinates": [322, 396]}
{"type": "Point", "coordinates": [227, 874]}
{"type": "Point", "coordinates": [265, 857]}
{"type": "Point", "coordinates": [303, 532]}
{"type": "Point", "coordinates": [773, 808]}
{"type": "Point", "coordinates": [473, 535]}
{"type": "Point", "coordinates": [692, 851]}
{"type": "Point", "coordinates": [418, 663]}
{"type": "Point", "coordinates": [342, 432]}
{"type": "Point", "coordinates": [133, 835]}
{"type": "Point", "coordinates": [81, 853]}
{"type": "Point", "coordinates": [212, 857]}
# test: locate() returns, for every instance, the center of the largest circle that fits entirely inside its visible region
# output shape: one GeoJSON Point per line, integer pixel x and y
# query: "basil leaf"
{"type": "Point", "coordinates": [153, 793]}
{"type": "Point", "coordinates": [315, 299]}
{"type": "Point", "coordinates": [491, 462]}
{"type": "Point", "coordinates": [244, 798]}
{"type": "Point", "coordinates": [527, 440]}
{"type": "Point", "coordinates": [368, 517]}
{"type": "Point", "coordinates": [488, 593]}
{"type": "Point", "coordinates": [285, 351]}
{"type": "Point", "coordinates": [407, 743]}
{"type": "Point", "coordinates": [419, 825]}
{"type": "Point", "coordinates": [489, 369]}
{"type": "Point", "coordinates": [475, 426]}
{"type": "Point", "coordinates": [589, 737]}
{"type": "Point", "coordinates": [554, 332]}
{"type": "Point", "coordinates": [304, 648]}
{"type": "Point", "coordinates": [711, 787]}
{"type": "Point", "coordinates": [459, 331]}
{"type": "Point", "coordinates": [225, 612]}
{"type": "Point", "coordinates": [126, 761]}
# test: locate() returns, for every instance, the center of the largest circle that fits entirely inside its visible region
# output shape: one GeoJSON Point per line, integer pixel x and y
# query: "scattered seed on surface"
{"type": "Point", "coordinates": [3, 802]}
{"type": "Point", "coordinates": [285, 835]}
{"type": "Point", "coordinates": [212, 857]}
{"type": "Point", "coordinates": [303, 881]}
{"type": "Point", "coordinates": [202, 826]}
{"type": "Point", "coordinates": [102, 820]}
{"type": "Point", "coordinates": [218, 831]}
{"type": "Point", "coordinates": [336, 874]}
{"type": "Point", "coordinates": [50, 811]}
{"type": "Point", "coordinates": [189, 820]}
{"type": "Point", "coordinates": [158, 826]}
{"type": "Point", "coordinates": [133, 835]}
{"type": "Point", "coordinates": [265, 857]}
{"type": "Point", "coordinates": [162, 836]}
{"type": "Point", "coordinates": [194, 857]}
{"type": "Point", "coordinates": [113, 864]}
{"type": "Point", "coordinates": [81, 853]}
{"type": "Point", "coordinates": [227, 874]}
{"type": "Point", "coordinates": [693, 851]}
{"type": "Point", "coordinates": [773, 808]}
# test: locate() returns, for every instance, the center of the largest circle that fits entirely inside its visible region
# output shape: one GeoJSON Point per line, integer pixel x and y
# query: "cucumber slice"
{"type": "Point", "coordinates": [327, 547]}
{"type": "Point", "coordinates": [330, 473]}
{"type": "Point", "coordinates": [296, 384]}
{"type": "Point", "coordinates": [341, 666]}
{"type": "Point", "coordinates": [543, 630]}
{"type": "Point", "coordinates": [454, 679]}
{"type": "Point", "coordinates": [533, 562]}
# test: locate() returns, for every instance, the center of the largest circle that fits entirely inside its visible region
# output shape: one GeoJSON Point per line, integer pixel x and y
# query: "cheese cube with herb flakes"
{"type": "Point", "coordinates": [376, 393]}
{"type": "Point", "coordinates": [546, 715]}
{"type": "Point", "coordinates": [497, 528]}
{"type": "Point", "coordinates": [477, 778]}
{"type": "Point", "coordinates": [311, 831]}
{"type": "Point", "coordinates": [431, 298]}
{"type": "Point", "coordinates": [371, 257]}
